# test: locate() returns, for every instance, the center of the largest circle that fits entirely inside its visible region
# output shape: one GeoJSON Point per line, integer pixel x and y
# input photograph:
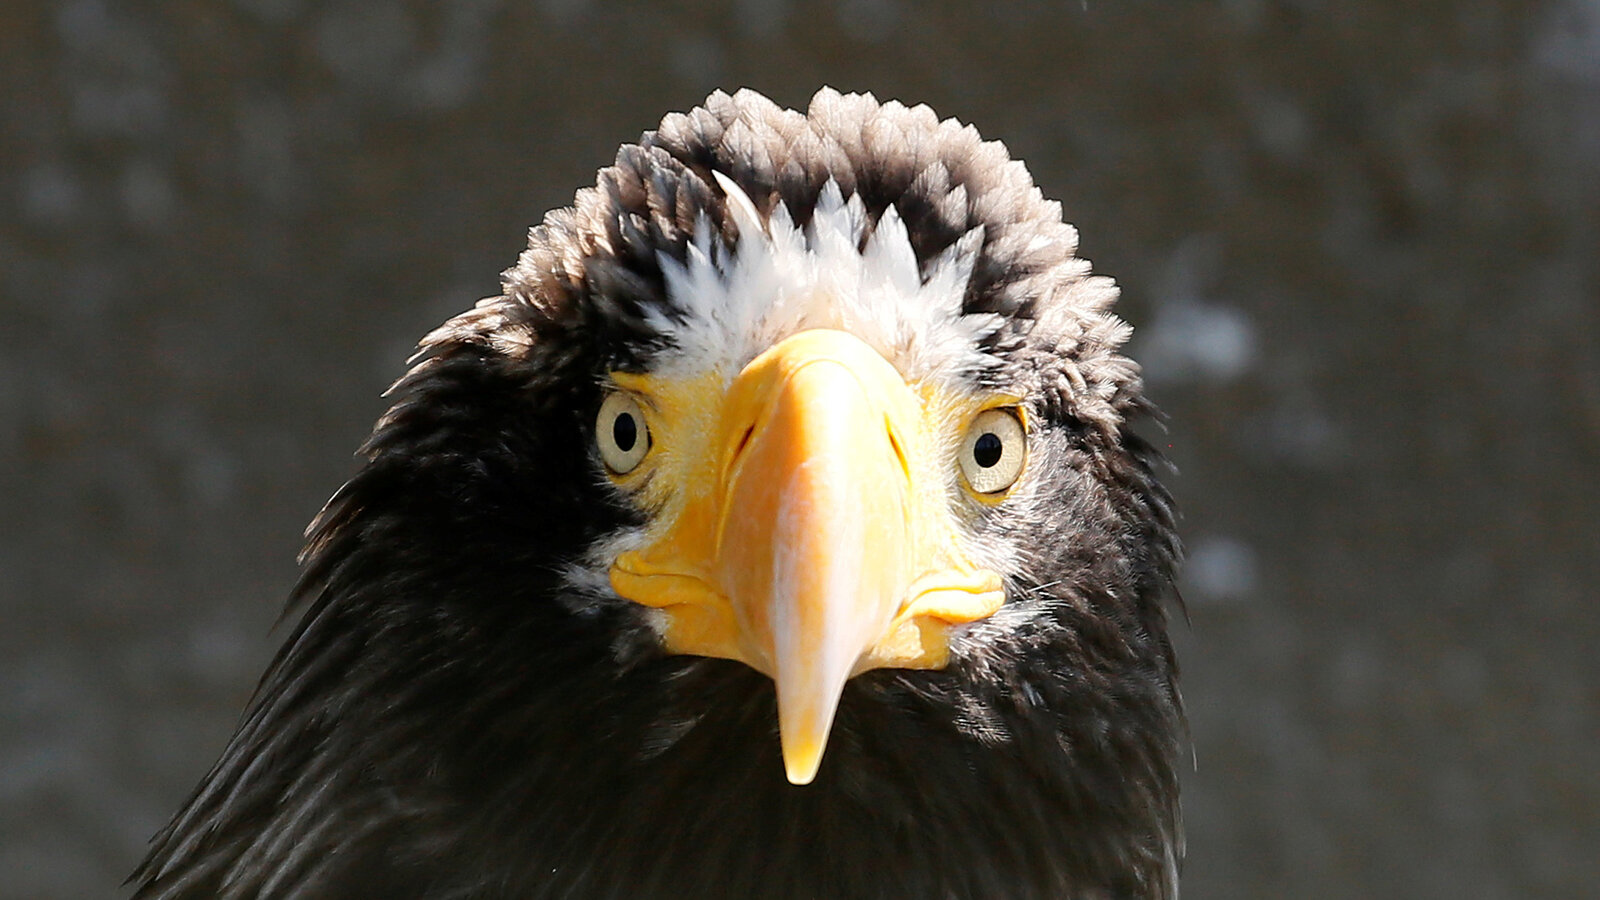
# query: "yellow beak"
{"type": "Point", "coordinates": [812, 543]}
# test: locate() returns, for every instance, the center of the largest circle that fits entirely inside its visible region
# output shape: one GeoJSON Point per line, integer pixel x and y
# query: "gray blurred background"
{"type": "Point", "coordinates": [1360, 242]}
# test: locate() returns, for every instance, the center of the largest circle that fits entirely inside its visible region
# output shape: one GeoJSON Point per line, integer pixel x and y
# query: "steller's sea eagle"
{"type": "Point", "coordinates": [778, 532]}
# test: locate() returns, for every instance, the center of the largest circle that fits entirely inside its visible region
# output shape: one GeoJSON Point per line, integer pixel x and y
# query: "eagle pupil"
{"type": "Point", "coordinates": [625, 432]}
{"type": "Point", "coordinates": [987, 450]}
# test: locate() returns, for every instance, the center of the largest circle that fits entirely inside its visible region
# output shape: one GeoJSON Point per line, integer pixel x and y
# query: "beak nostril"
{"type": "Point", "coordinates": [744, 441]}
{"type": "Point", "coordinates": [894, 442]}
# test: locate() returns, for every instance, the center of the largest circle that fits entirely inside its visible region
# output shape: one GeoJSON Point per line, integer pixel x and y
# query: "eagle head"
{"type": "Point", "coordinates": [777, 531]}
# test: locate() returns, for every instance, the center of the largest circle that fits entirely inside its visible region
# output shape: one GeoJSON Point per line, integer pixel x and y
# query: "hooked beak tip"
{"type": "Point", "coordinates": [801, 760]}
{"type": "Point", "coordinates": [805, 719]}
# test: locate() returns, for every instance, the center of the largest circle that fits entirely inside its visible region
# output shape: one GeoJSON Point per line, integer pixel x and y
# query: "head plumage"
{"type": "Point", "coordinates": [880, 195]}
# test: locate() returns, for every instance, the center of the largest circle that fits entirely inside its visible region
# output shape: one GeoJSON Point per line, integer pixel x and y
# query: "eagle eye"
{"type": "Point", "coordinates": [621, 433]}
{"type": "Point", "coordinates": [993, 451]}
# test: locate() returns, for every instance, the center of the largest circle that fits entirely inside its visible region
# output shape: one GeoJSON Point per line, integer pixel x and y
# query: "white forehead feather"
{"type": "Point", "coordinates": [838, 272]}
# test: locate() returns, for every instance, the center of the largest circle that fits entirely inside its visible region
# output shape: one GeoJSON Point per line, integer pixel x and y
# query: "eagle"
{"type": "Point", "coordinates": [779, 531]}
